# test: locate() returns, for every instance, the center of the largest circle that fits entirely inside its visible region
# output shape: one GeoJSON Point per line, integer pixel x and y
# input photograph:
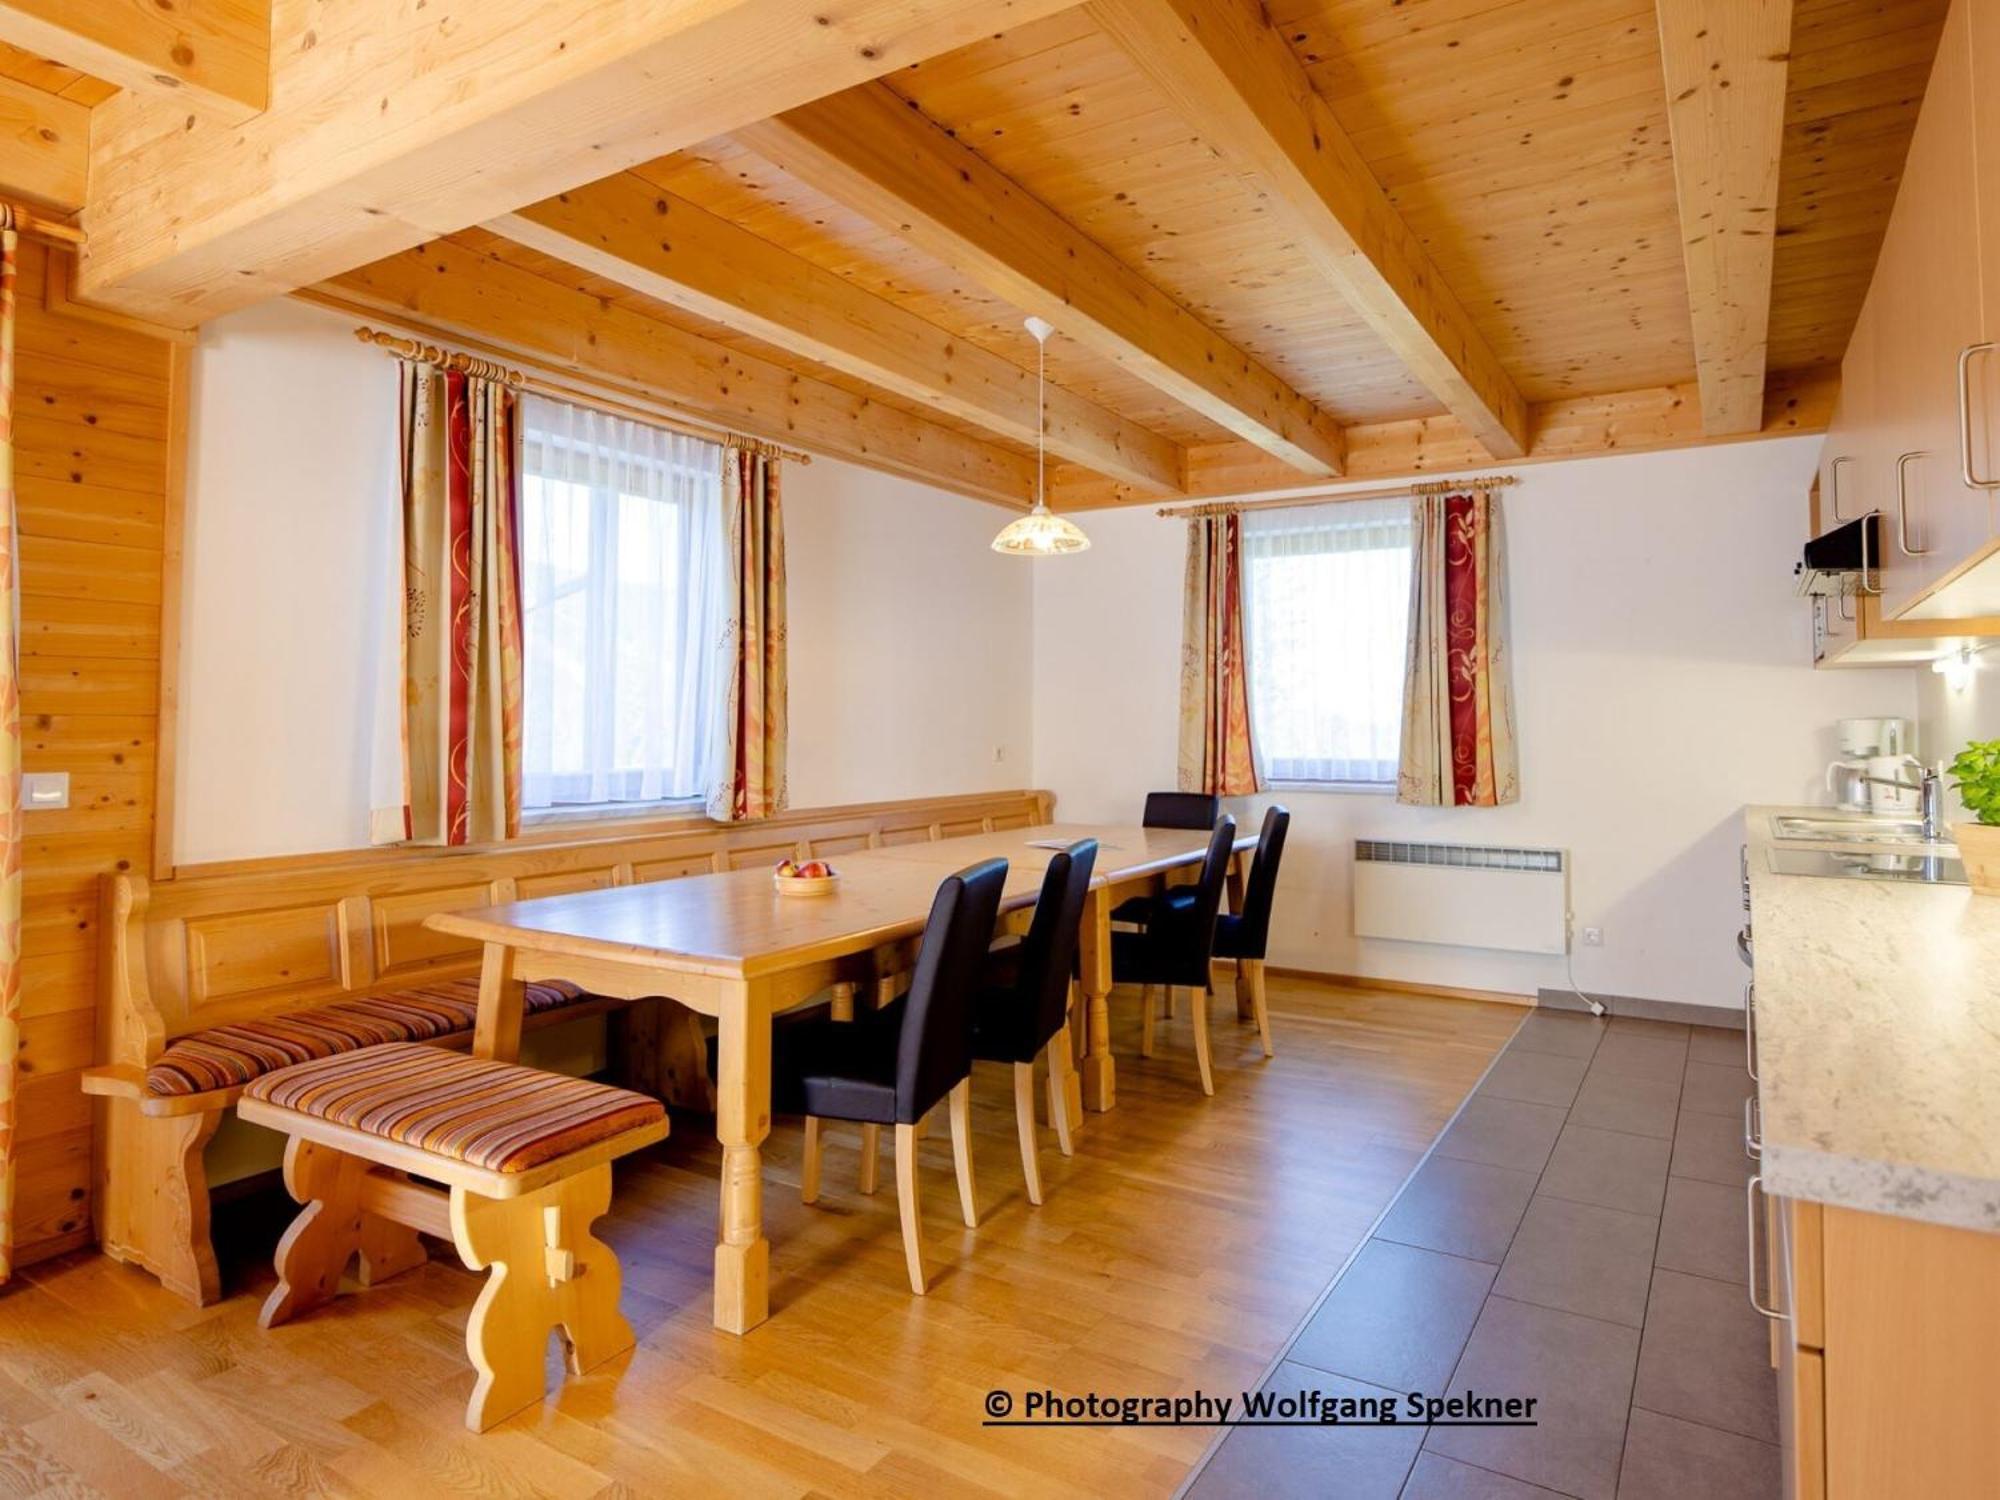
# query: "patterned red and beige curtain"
{"type": "Point", "coordinates": [461, 700]}
{"type": "Point", "coordinates": [10, 765]}
{"type": "Point", "coordinates": [1458, 695]}
{"type": "Point", "coordinates": [1216, 755]}
{"type": "Point", "coordinates": [748, 779]}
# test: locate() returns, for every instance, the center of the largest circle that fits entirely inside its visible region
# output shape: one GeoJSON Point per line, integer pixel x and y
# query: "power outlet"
{"type": "Point", "coordinates": [1593, 937]}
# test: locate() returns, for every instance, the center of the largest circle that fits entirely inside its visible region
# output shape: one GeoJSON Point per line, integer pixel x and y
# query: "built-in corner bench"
{"type": "Point", "coordinates": [224, 973]}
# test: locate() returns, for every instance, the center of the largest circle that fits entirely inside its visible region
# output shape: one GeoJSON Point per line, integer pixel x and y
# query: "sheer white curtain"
{"type": "Point", "coordinates": [621, 555]}
{"type": "Point", "coordinates": [1326, 602]}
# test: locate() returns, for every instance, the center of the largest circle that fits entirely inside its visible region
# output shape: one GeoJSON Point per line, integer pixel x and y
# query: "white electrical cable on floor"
{"type": "Point", "coordinates": [1597, 1006]}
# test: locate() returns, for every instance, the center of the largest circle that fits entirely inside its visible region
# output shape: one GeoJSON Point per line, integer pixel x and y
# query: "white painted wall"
{"type": "Point", "coordinates": [1948, 718]}
{"type": "Point", "coordinates": [1661, 680]}
{"type": "Point", "coordinates": [909, 637]}
{"type": "Point", "coordinates": [290, 518]}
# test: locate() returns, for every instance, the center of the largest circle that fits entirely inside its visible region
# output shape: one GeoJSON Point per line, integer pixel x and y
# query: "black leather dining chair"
{"type": "Point", "coordinates": [1023, 1007]}
{"type": "Point", "coordinates": [1174, 946]}
{"type": "Point", "coordinates": [1244, 935]}
{"type": "Point", "coordinates": [1169, 810]}
{"type": "Point", "coordinates": [893, 1065]}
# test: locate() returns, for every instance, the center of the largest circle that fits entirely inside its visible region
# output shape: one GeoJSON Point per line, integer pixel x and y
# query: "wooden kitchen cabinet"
{"type": "Point", "coordinates": [1895, 441]}
{"type": "Point", "coordinates": [1889, 1354]}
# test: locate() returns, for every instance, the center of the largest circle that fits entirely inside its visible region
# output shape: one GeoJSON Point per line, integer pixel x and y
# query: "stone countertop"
{"type": "Point", "coordinates": [1878, 1040]}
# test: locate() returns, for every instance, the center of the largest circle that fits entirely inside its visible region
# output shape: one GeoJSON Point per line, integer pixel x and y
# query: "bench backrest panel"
{"type": "Point", "coordinates": [261, 937]}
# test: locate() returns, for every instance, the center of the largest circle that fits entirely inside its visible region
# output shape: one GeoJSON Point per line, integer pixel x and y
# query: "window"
{"type": "Point", "coordinates": [1326, 606]}
{"type": "Point", "coordinates": [621, 562]}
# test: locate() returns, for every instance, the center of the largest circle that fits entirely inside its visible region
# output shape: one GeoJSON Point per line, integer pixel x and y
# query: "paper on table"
{"type": "Point", "coordinates": [1061, 844]}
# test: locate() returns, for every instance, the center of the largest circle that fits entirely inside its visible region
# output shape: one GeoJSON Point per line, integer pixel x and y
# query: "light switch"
{"type": "Point", "coordinates": [43, 791]}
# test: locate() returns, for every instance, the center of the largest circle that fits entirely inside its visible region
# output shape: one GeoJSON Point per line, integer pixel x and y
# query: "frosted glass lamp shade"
{"type": "Point", "coordinates": [1040, 533]}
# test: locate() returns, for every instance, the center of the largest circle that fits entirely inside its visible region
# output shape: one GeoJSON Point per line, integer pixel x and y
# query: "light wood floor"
{"type": "Point", "coordinates": [1176, 1250]}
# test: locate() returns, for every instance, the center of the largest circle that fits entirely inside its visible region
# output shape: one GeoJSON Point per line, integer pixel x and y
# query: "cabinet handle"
{"type": "Point", "coordinates": [1846, 607]}
{"type": "Point", "coordinates": [1753, 1145]}
{"type": "Point", "coordinates": [1965, 358]}
{"type": "Point", "coordinates": [1903, 462]}
{"type": "Point", "coordinates": [1750, 1030]}
{"type": "Point", "coordinates": [1752, 1191]}
{"type": "Point", "coordinates": [1866, 530]}
{"type": "Point", "coordinates": [1833, 484]}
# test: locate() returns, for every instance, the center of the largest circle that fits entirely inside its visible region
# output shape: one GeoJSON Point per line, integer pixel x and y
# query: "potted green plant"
{"type": "Point", "coordinates": [1977, 782]}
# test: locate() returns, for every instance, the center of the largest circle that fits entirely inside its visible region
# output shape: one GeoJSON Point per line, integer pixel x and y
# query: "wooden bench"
{"type": "Point", "coordinates": [524, 1158]}
{"type": "Point", "coordinates": [254, 942]}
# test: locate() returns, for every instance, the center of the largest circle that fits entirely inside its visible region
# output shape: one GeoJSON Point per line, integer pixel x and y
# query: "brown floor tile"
{"type": "Point", "coordinates": [1640, 1055]}
{"type": "Point", "coordinates": [1356, 1462]}
{"type": "Point", "coordinates": [1611, 1168]}
{"type": "Point", "coordinates": [1439, 1478]}
{"type": "Point", "coordinates": [1709, 1148]}
{"type": "Point", "coordinates": [1559, 1032]}
{"type": "Point", "coordinates": [1503, 1133]}
{"type": "Point", "coordinates": [1398, 1317]}
{"type": "Point", "coordinates": [1639, 1106]}
{"type": "Point", "coordinates": [1536, 1077]}
{"type": "Point", "coordinates": [1580, 1369]}
{"type": "Point", "coordinates": [1646, 1026]}
{"type": "Point", "coordinates": [1715, 1089]}
{"type": "Point", "coordinates": [1702, 1230]}
{"type": "Point", "coordinates": [1580, 1258]}
{"type": "Point", "coordinates": [1668, 1459]}
{"type": "Point", "coordinates": [1461, 1208]}
{"type": "Point", "coordinates": [1715, 1044]}
{"type": "Point", "coordinates": [1706, 1357]}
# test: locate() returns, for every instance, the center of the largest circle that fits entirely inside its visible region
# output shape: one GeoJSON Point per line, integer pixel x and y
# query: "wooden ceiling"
{"type": "Point", "coordinates": [1521, 153]}
{"type": "Point", "coordinates": [1525, 144]}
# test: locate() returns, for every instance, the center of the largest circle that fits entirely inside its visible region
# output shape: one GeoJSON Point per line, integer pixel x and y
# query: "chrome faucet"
{"type": "Point", "coordinates": [1930, 798]}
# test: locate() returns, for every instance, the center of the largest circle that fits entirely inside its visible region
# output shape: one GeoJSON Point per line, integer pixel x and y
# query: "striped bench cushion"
{"type": "Point", "coordinates": [224, 1057]}
{"type": "Point", "coordinates": [498, 1116]}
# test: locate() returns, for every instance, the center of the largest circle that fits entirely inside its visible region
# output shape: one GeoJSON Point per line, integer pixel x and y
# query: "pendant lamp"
{"type": "Point", "coordinates": [1041, 532]}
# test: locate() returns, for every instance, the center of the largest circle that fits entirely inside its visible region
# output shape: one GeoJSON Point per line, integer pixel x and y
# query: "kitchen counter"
{"type": "Point", "coordinates": [1878, 1041]}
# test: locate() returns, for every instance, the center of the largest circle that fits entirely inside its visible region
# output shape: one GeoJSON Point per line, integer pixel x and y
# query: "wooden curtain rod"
{"type": "Point", "coordinates": [26, 221]}
{"type": "Point", "coordinates": [1391, 492]}
{"type": "Point", "coordinates": [620, 402]}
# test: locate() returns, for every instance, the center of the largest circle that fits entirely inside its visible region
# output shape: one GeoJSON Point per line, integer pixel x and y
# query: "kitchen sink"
{"type": "Point", "coordinates": [1850, 830]}
{"type": "Point", "coordinates": [1860, 864]}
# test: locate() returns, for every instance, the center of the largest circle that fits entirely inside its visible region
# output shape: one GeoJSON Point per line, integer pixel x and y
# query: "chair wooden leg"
{"type": "Point", "coordinates": [906, 1206]}
{"type": "Point", "coordinates": [1057, 1055]}
{"type": "Point", "coordinates": [809, 1163]}
{"type": "Point", "coordinates": [1199, 1013]}
{"type": "Point", "coordinates": [1172, 1007]}
{"type": "Point", "coordinates": [1024, 1124]}
{"type": "Point", "coordinates": [547, 1271]}
{"type": "Point", "coordinates": [386, 1248]}
{"type": "Point", "coordinates": [1146, 1019]}
{"type": "Point", "coordinates": [871, 1151]}
{"type": "Point", "coordinates": [959, 1107]}
{"type": "Point", "coordinates": [1258, 1004]}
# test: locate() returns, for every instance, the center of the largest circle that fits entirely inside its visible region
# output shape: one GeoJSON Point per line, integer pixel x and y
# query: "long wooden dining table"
{"type": "Point", "coordinates": [729, 946]}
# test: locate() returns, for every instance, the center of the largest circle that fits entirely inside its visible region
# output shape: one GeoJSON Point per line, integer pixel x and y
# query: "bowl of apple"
{"type": "Point", "coordinates": [812, 877]}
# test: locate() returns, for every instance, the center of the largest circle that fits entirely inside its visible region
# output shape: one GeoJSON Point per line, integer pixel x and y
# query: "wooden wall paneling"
{"type": "Point", "coordinates": [93, 509]}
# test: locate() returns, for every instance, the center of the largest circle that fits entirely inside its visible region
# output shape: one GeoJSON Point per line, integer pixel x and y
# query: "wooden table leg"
{"type": "Point", "coordinates": [742, 1121]}
{"type": "Point", "coordinates": [1100, 1084]}
{"type": "Point", "coordinates": [497, 1032]}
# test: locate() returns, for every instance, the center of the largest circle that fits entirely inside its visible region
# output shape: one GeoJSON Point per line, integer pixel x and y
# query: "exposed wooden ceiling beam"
{"type": "Point", "coordinates": [1725, 64]}
{"type": "Point", "coordinates": [873, 152]}
{"type": "Point", "coordinates": [1235, 79]}
{"type": "Point", "coordinates": [630, 232]}
{"type": "Point", "coordinates": [215, 53]}
{"type": "Point", "coordinates": [44, 146]}
{"type": "Point", "coordinates": [462, 290]}
{"type": "Point", "coordinates": [391, 124]}
{"type": "Point", "coordinates": [1639, 421]}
